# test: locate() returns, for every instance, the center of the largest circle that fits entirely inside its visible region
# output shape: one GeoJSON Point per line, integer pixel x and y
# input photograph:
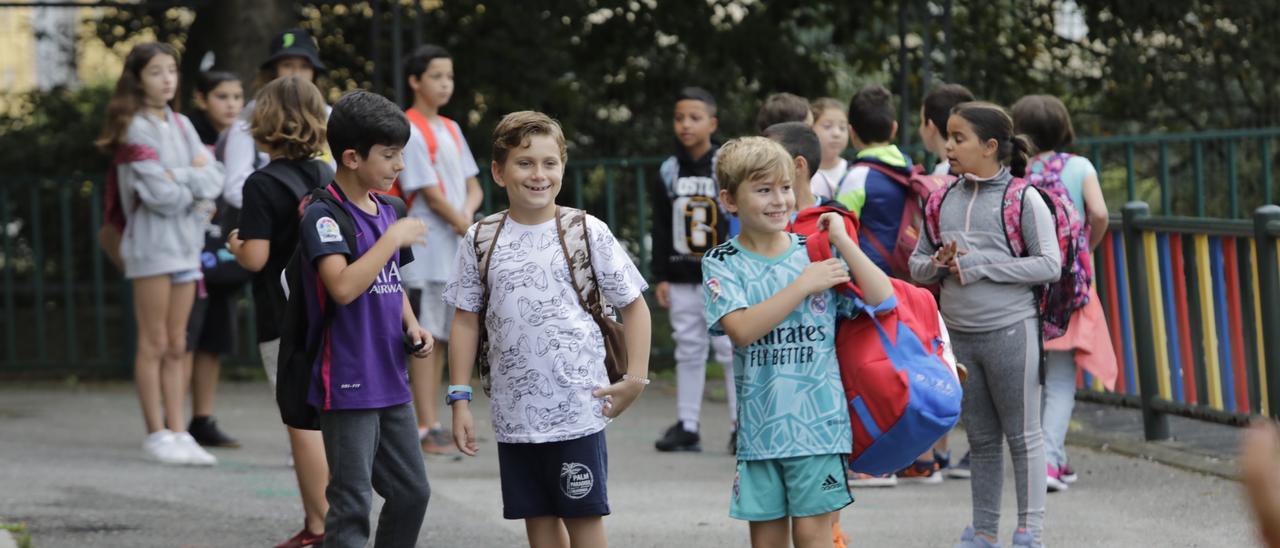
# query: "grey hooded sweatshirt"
{"type": "Point", "coordinates": [166, 201]}
{"type": "Point", "coordinates": [993, 289]}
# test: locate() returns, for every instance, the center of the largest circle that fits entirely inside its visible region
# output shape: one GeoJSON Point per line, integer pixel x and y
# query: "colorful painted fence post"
{"type": "Point", "coordinates": [1265, 225]}
{"type": "Point", "coordinates": [1155, 425]}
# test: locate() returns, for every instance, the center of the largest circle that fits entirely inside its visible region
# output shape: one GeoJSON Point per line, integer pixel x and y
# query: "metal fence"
{"type": "Point", "coordinates": [1193, 309]}
{"type": "Point", "coordinates": [67, 310]}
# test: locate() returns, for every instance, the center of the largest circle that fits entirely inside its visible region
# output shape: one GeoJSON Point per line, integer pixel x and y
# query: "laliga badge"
{"type": "Point", "coordinates": [327, 230]}
{"type": "Point", "coordinates": [713, 286]}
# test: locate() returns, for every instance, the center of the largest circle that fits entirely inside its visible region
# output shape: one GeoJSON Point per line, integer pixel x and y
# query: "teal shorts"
{"type": "Point", "coordinates": [765, 490]}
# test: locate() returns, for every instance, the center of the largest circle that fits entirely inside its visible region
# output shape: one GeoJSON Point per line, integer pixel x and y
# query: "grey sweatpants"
{"type": "Point", "coordinates": [375, 448]}
{"type": "Point", "coordinates": [1002, 401]}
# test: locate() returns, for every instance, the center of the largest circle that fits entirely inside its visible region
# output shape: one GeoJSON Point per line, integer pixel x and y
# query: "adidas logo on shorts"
{"type": "Point", "coordinates": [831, 483]}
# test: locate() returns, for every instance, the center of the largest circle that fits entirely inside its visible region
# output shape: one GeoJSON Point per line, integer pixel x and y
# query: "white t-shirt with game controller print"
{"type": "Point", "coordinates": [546, 353]}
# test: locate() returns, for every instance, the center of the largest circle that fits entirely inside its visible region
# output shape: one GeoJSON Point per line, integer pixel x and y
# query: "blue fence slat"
{"type": "Point", "coordinates": [1225, 364]}
{"type": "Point", "coordinates": [1126, 326]}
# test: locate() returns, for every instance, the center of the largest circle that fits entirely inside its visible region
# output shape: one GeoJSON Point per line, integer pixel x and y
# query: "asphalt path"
{"type": "Point", "coordinates": [71, 467]}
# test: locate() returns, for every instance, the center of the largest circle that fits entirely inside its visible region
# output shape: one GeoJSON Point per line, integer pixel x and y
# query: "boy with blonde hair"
{"type": "Point", "coordinates": [780, 311]}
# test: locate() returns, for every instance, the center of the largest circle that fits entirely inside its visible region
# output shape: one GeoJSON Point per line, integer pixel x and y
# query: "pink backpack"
{"type": "Point", "coordinates": [1059, 299]}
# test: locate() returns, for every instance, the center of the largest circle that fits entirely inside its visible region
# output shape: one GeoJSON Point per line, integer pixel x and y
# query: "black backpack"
{"type": "Point", "coordinates": [298, 354]}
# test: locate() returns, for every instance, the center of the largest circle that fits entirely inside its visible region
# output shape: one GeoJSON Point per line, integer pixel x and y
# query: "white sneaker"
{"type": "Point", "coordinates": [195, 454]}
{"type": "Point", "coordinates": [162, 447]}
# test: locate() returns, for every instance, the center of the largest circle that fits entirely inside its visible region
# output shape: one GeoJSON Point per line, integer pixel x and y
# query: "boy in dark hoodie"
{"type": "Point", "coordinates": [868, 189]}
{"type": "Point", "coordinates": [688, 221]}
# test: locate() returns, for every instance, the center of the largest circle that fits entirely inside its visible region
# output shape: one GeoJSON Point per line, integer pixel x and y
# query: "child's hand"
{"type": "Point", "coordinates": [199, 161]}
{"type": "Point", "coordinates": [945, 254]}
{"type": "Point", "coordinates": [234, 243]}
{"type": "Point", "coordinates": [833, 224]}
{"type": "Point", "coordinates": [419, 335]}
{"type": "Point", "coordinates": [464, 435]}
{"type": "Point", "coordinates": [818, 277]}
{"type": "Point", "coordinates": [663, 293]}
{"type": "Point", "coordinates": [408, 231]}
{"type": "Point", "coordinates": [619, 396]}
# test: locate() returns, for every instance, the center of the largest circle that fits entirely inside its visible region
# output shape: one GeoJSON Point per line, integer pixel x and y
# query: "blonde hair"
{"type": "Point", "coordinates": [516, 128]}
{"type": "Point", "coordinates": [824, 104]}
{"type": "Point", "coordinates": [289, 118]}
{"type": "Point", "coordinates": [752, 159]}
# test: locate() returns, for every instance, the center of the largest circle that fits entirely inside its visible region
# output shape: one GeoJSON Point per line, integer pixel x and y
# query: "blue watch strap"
{"type": "Point", "coordinates": [456, 396]}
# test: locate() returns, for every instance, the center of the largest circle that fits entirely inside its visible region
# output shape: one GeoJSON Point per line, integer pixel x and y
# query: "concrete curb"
{"type": "Point", "coordinates": [6, 539]}
{"type": "Point", "coordinates": [1170, 453]}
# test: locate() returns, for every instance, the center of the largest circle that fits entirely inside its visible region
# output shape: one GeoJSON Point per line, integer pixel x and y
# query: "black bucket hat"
{"type": "Point", "coordinates": [294, 42]}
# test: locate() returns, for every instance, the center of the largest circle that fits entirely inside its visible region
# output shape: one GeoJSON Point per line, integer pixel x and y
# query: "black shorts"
{"type": "Point", "coordinates": [415, 301]}
{"type": "Point", "coordinates": [212, 325]}
{"type": "Point", "coordinates": [565, 479]}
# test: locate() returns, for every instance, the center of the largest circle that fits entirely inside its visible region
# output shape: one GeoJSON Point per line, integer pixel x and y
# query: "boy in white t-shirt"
{"type": "Point", "coordinates": [550, 394]}
{"type": "Point", "coordinates": [439, 184]}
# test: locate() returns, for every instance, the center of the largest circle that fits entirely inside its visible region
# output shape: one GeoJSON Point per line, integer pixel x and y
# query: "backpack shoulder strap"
{"type": "Point", "coordinates": [1011, 215]}
{"type": "Point", "coordinates": [893, 174]}
{"type": "Point", "coordinates": [571, 227]}
{"type": "Point", "coordinates": [486, 239]}
{"type": "Point", "coordinates": [395, 202]}
{"type": "Point", "coordinates": [419, 121]}
{"type": "Point", "coordinates": [454, 131]}
{"type": "Point", "coordinates": [289, 176]}
{"type": "Point", "coordinates": [933, 212]}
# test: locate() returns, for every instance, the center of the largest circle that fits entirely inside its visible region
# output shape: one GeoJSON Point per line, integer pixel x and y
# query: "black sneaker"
{"type": "Point", "coordinates": [733, 442]}
{"type": "Point", "coordinates": [205, 431]}
{"type": "Point", "coordinates": [677, 439]}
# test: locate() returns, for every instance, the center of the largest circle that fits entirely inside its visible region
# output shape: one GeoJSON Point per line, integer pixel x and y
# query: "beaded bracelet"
{"type": "Point", "coordinates": [641, 380]}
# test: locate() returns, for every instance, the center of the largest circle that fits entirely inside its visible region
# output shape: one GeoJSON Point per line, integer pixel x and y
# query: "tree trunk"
{"type": "Point", "coordinates": [237, 32]}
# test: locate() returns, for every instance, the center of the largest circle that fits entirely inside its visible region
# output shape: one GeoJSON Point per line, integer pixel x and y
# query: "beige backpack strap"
{"type": "Point", "coordinates": [571, 229]}
{"type": "Point", "coordinates": [486, 240]}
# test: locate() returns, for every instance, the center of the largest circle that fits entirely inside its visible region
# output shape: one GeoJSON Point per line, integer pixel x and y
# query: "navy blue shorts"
{"type": "Point", "coordinates": [564, 479]}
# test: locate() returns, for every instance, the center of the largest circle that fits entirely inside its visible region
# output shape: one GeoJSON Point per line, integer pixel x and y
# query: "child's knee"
{"type": "Point", "coordinates": [153, 344]}
{"type": "Point", "coordinates": [176, 347]}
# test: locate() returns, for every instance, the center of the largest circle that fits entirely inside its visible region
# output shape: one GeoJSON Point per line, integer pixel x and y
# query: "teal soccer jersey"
{"type": "Point", "coordinates": [790, 400]}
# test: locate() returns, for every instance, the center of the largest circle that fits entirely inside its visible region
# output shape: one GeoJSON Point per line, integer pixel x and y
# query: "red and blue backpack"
{"type": "Point", "coordinates": [1057, 300]}
{"type": "Point", "coordinates": [902, 395]}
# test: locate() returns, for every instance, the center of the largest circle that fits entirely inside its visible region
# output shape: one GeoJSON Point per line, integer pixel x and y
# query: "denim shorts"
{"type": "Point", "coordinates": [186, 276]}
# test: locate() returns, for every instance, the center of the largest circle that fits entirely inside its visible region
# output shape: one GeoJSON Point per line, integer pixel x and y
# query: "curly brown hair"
{"type": "Point", "coordinates": [289, 118]}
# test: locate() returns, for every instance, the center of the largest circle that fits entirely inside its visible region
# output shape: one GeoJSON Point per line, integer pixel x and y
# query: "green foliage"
{"type": "Point", "coordinates": [52, 133]}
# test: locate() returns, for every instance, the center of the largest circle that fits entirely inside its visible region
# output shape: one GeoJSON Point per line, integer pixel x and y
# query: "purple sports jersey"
{"type": "Point", "coordinates": [361, 364]}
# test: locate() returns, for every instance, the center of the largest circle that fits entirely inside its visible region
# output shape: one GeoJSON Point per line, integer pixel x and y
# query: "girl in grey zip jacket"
{"type": "Point", "coordinates": [991, 311]}
{"type": "Point", "coordinates": [993, 287]}
{"type": "Point", "coordinates": [166, 200]}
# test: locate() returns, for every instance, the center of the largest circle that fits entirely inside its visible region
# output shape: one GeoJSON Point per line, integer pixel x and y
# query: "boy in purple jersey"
{"type": "Point", "coordinates": [360, 384]}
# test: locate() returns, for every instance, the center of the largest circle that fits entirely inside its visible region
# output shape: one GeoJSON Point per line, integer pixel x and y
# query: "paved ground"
{"type": "Point", "coordinates": [71, 467]}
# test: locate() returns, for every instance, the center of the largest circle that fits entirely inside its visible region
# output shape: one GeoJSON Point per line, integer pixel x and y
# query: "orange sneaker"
{"type": "Point", "coordinates": [838, 537]}
{"type": "Point", "coordinates": [921, 472]}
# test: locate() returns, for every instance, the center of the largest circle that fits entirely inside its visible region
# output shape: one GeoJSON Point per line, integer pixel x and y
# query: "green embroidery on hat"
{"type": "Point", "coordinates": [288, 39]}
